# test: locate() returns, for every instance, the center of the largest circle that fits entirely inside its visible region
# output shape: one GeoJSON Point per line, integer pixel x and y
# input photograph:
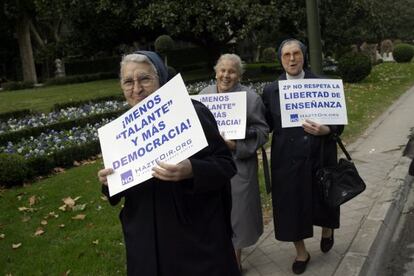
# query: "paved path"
{"type": "Point", "coordinates": [368, 221]}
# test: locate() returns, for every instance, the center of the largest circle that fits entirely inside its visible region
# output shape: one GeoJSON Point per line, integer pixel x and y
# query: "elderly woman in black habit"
{"type": "Point", "coordinates": [178, 222]}
{"type": "Point", "coordinates": [295, 158]}
{"type": "Point", "coordinates": [246, 213]}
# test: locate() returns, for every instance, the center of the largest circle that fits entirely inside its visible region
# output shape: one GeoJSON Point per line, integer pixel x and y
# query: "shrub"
{"type": "Point", "coordinates": [92, 66]}
{"type": "Point", "coordinates": [15, 114]}
{"type": "Point", "coordinates": [66, 157]}
{"type": "Point", "coordinates": [163, 44]}
{"type": "Point", "coordinates": [17, 85]}
{"type": "Point", "coordinates": [354, 67]}
{"type": "Point", "coordinates": [403, 52]}
{"type": "Point", "coordinates": [269, 55]}
{"type": "Point", "coordinates": [258, 70]}
{"type": "Point", "coordinates": [13, 169]}
{"type": "Point", "coordinates": [39, 165]}
{"type": "Point", "coordinates": [171, 72]}
{"type": "Point", "coordinates": [81, 78]}
{"type": "Point", "coordinates": [59, 106]}
{"type": "Point", "coordinates": [187, 59]}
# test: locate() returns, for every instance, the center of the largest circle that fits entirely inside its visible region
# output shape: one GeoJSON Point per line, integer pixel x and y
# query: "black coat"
{"type": "Point", "coordinates": [183, 228]}
{"type": "Point", "coordinates": [295, 157]}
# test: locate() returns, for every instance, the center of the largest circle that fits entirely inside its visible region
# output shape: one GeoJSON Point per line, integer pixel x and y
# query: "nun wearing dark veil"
{"type": "Point", "coordinates": [295, 158]}
{"type": "Point", "coordinates": [178, 222]}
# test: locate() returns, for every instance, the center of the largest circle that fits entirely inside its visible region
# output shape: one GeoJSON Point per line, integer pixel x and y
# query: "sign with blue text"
{"type": "Point", "coordinates": [162, 127]}
{"type": "Point", "coordinates": [318, 100]}
{"type": "Point", "coordinates": [229, 109]}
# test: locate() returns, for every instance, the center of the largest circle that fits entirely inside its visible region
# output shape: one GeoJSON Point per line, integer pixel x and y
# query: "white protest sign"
{"type": "Point", "coordinates": [162, 127]}
{"type": "Point", "coordinates": [319, 100]}
{"type": "Point", "coordinates": [229, 110]}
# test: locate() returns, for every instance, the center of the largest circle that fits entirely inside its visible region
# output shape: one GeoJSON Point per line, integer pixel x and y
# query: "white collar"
{"type": "Point", "coordinates": [301, 75]}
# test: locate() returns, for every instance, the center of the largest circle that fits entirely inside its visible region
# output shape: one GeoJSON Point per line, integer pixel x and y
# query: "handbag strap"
{"type": "Point", "coordinates": [338, 140]}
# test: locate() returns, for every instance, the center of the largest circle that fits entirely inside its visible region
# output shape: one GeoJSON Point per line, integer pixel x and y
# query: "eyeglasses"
{"type": "Point", "coordinates": [143, 80]}
{"type": "Point", "coordinates": [288, 55]}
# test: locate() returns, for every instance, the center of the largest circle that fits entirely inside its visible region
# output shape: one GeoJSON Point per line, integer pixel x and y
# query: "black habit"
{"type": "Point", "coordinates": [295, 157]}
{"type": "Point", "coordinates": [183, 228]}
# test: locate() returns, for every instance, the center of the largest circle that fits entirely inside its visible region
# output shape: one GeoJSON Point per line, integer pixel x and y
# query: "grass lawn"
{"type": "Point", "coordinates": [368, 99]}
{"type": "Point", "coordinates": [42, 99]}
{"type": "Point", "coordinates": [94, 245]}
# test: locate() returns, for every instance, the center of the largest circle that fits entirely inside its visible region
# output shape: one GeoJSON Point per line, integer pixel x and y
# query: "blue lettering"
{"type": "Point", "coordinates": [116, 165]}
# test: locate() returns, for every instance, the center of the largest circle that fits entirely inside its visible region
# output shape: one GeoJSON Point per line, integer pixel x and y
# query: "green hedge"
{"type": "Point", "coordinates": [14, 169]}
{"type": "Point", "coordinates": [188, 59]}
{"type": "Point", "coordinates": [82, 78]}
{"type": "Point", "coordinates": [82, 67]}
{"type": "Point", "coordinates": [59, 106]}
{"type": "Point", "coordinates": [256, 71]}
{"type": "Point", "coordinates": [354, 67]}
{"type": "Point", "coordinates": [17, 85]}
{"type": "Point", "coordinates": [15, 114]}
{"type": "Point", "coordinates": [269, 55]}
{"type": "Point", "coordinates": [403, 52]}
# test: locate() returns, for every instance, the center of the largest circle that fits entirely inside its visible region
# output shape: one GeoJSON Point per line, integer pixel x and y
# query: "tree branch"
{"type": "Point", "coordinates": [36, 35]}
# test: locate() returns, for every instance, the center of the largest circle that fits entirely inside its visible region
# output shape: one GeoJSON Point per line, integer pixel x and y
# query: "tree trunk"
{"type": "Point", "coordinates": [257, 55]}
{"type": "Point", "coordinates": [25, 47]}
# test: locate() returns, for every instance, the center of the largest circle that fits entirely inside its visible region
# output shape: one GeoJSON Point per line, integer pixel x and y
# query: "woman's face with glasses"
{"type": "Point", "coordinates": [138, 81]}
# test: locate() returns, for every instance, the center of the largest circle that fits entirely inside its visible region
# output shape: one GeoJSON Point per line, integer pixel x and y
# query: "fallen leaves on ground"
{"type": "Point", "coordinates": [16, 245]}
{"type": "Point", "coordinates": [32, 200]}
{"type": "Point", "coordinates": [39, 232]}
{"type": "Point", "coordinates": [26, 209]}
{"type": "Point", "coordinates": [79, 207]}
{"type": "Point", "coordinates": [51, 215]}
{"type": "Point", "coordinates": [79, 217]}
{"type": "Point", "coordinates": [66, 273]}
{"type": "Point", "coordinates": [58, 170]}
{"type": "Point", "coordinates": [70, 204]}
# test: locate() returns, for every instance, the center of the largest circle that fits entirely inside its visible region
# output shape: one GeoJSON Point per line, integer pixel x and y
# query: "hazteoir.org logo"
{"type": "Point", "coordinates": [294, 117]}
{"type": "Point", "coordinates": [127, 177]}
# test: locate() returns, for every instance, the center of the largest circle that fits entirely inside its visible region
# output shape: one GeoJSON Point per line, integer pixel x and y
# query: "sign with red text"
{"type": "Point", "coordinates": [162, 127]}
{"type": "Point", "coordinates": [229, 110]}
{"type": "Point", "coordinates": [318, 100]}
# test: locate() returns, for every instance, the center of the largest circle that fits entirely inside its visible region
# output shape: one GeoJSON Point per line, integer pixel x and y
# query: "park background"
{"type": "Point", "coordinates": [59, 62]}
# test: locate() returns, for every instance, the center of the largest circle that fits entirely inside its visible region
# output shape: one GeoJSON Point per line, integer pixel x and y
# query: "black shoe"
{"type": "Point", "coordinates": [327, 243]}
{"type": "Point", "coordinates": [299, 267]}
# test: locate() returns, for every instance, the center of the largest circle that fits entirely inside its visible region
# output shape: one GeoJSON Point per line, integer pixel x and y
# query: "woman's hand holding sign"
{"type": "Point", "coordinates": [164, 171]}
{"type": "Point", "coordinates": [102, 174]}
{"type": "Point", "coordinates": [169, 172]}
{"type": "Point", "coordinates": [315, 128]}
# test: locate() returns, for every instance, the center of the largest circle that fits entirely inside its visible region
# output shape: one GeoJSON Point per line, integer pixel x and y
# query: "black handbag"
{"type": "Point", "coordinates": [341, 182]}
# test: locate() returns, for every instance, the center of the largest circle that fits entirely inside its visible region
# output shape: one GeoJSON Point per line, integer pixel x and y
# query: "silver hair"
{"type": "Point", "coordinates": [137, 58]}
{"type": "Point", "coordinates": [233, 57]}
